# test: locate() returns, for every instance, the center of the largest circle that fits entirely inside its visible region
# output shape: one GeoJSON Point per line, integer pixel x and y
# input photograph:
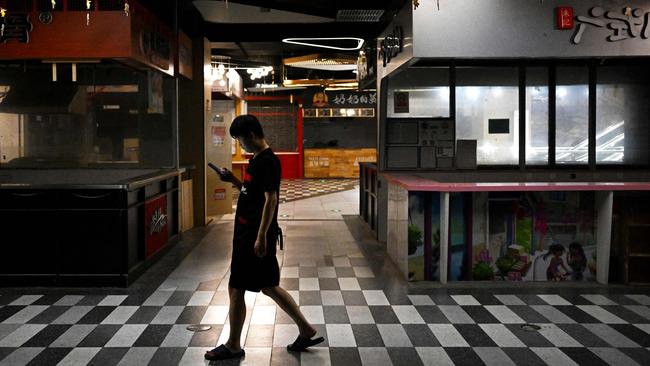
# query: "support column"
{"type": "Point", "coordinates": [444, 236]}
{"type": "Point", "coordinates": [604, 207]}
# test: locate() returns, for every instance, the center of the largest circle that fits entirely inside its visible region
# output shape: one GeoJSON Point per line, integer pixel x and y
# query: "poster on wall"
{"type": "Point", "coordinates": [218, 135]}
{"type": "Point", "coordinates": [155, 93]}
{"type": "Point", "coordinates": [540, 236]}
{"type": "Point", "coordinates": [219, 194]}
{"type": "Point", "coordinates": [401, 102]}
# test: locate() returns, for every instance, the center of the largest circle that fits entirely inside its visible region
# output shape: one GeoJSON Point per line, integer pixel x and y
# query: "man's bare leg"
{"type": "Point", "coordinates": [237, 316]}
{"type": "Point", "coordinates": [286, 303]}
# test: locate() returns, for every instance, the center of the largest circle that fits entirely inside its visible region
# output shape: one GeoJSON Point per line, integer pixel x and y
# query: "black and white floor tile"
{"type": "Point", "coordinates": [352, 295]}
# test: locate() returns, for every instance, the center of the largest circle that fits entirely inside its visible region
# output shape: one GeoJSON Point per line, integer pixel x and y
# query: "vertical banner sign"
{"type": "Point", "coordinates": [564, 17]}
{"type": "Point", "coordinates": [156, 221]}
{"type": "Point", "coordinates": [401, 102]}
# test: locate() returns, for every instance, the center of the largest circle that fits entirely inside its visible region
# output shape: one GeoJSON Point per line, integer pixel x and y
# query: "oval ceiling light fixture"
{"type": "Point", "coordinates": [313, 42]}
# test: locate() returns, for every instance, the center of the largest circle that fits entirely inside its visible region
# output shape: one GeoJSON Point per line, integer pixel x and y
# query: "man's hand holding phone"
{"type": "Point", "coordinates": [224, 174]}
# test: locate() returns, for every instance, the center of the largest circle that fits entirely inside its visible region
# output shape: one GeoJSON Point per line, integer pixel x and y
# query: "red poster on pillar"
{"type": "Point", "coordinates": [156, 221]}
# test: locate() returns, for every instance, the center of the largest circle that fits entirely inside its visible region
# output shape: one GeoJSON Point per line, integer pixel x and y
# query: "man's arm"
{"type": "Point", "coordinates": [267, 217]}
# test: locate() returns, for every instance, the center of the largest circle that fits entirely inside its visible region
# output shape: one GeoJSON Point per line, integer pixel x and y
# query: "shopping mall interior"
{"type": "Point", "coordinates": [458, 182]}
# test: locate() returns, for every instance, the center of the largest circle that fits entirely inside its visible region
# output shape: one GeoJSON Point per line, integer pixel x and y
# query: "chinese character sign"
{"type": "Point", "coordinates": [345, 99]}
{"type": "Point", "coordinates": [15, 27]}
{"type": "Point", "coordinates": [622, 25]}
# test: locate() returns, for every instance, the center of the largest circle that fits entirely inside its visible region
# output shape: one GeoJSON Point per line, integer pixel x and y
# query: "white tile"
{"type": "Point", "coordinates": [554, 300]}
{"type": "Point", "coordinates": [26, 314]}
{"type": "Point", "coordinates": [332, 298]}
{"type": "Point", "coordinates": [326, 272]}
{"type": "Point", "coordinates": [375, 298]}
{"type": "Point", "coordinates": [360, 315]}
{"type": "Point", "coordinates": [168, 315]}
{"type": "Point", "coordinates": [611, 336]}
{"type": "Point", "coordinates": [553, 356]}
{"type": "Point", "coordinates": [178, 336]}
{"type": "Point", "coordinates": [216, 314]}
{"type": "Point", "coordinates": [421, 300]}
{"type": "Point", "coordinates": [313, 314]}
{"type": "Point", "coordinates": [290, 272]}
{"type": "Point", "coordinates": [501, 335]}
{"type": "Point", "coordinates": [21, 335]}
{"type": "Point", "coordinates": [614, 357]}
{"type": "Point", "coordinates": [340, 335]}
{"type": "Point", "coordinates": [641, 299]}
{"type": "Point", "coordinates": [263, 315]}
{"type": "Point", "coordinates": [456, 314]}
{"type": "Point", "coordinates": [465, 300]}
{"type": "Point", "coordinates": [296, 296]}
{"type": "Point", "coordinates": [504, 315]}
{"type": "Point", "coordinates": [557, 336]}
{"type": "Point", "coordinates": [79, 356]}
{"type": "Point", "coordinates": [73, 315]}
{"type": "Point", "coordinates": [73, 336]}
{"type": "Point", "coordinates": [643, 327]}
{"type": "Point", "coordinates": [317, 356]}
{"type": "Point", "coordinates": [599, 299]}
{"type": "Point", "coordinates": [601, 314]}
{"type": "Point", "coordinates": [6, 329]}
{"type": "Point", "coordinates": [511, 300]}
{"type": "Point", "coordinates": [308, 284]}
{"type": "Point", "coordinates": [447, 335]}
{"type": "Point", "coordinates": [250, 297]}
{"type": "Point", "coordinates": [407, 314]}
{"type": "Point", "coordinates": [257, 356]}
{"type": "Point", "coordinates": [363, 272]}
{"type": "Point", "coordinates": [126, 335]}
{"type": "Point", "coordinates": [25, 300]}
{"type": "Point", "coordinates": [375, 356]}
{"type": "Point", "coordinates": [137, 356]}
{"type": "Point", "coordinates": [434, 356]}
{"type": "Point", "coordinates": [120, 315]}
{"type": "Point", "coordinates": [493, 356]}
{"type": "Point", "coordinates": [113, 300]}
{"type": "Point", "coordinates": [341, 262]}
{"type": "Point", "coordinates": [158, 298]}
{"type": "Point", "coordinates": [553, 314]}
{"type": "Point", "coordinates": [220, 298]}
{"type": "Point", "coordinates": [68, 300]}
{"type": "Point", "coordinates": [193, 356]}
{"type": "Point", "coordinates": [284, 334]}
{"type": "Point", "coordinates": [349, 284]}
{"type": "Point", "coordinates": [201, 298]}
{"type": "Point", "coordinates": [394, 335]}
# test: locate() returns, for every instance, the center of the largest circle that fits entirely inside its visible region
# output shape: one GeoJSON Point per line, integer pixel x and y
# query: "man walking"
{"type": "Point", "coordinates": [254, 266]}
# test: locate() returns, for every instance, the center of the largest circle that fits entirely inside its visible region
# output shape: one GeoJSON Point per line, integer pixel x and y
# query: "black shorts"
{"type": "Point", "coordinates": [248, 271]}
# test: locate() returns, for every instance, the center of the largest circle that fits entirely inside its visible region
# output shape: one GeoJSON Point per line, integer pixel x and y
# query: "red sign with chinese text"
{"type": "Point", "coordinates": [156, 221]}
{"type": "Point", "coordinates": [564, 17]}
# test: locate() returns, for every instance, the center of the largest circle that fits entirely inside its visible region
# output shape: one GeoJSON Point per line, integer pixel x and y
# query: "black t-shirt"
{"type": "Point", "coordinates": [263, 175]}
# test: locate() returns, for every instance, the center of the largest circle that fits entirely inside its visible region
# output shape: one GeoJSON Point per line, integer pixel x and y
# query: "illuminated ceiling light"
{"type": "Point", "coordinates": [304, 42]}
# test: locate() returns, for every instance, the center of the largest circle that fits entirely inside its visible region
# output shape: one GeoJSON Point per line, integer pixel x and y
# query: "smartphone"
{"type": "Point", "coordinates": [219, 171]}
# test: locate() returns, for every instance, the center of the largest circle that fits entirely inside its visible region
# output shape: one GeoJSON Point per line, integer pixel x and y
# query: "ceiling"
{"type": "Point", "coordinates": [252, 30]}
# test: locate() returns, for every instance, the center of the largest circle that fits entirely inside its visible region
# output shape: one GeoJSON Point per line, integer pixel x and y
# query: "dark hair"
{"type": "Point", "coordinates": [554, 248]}
{"type": "Point", "coordinates": [245, 126]}
{"type": "Point", "coordinates": [578, 247]}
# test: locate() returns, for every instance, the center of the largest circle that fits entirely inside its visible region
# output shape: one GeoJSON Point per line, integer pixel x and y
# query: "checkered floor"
{"type": "Point", "coordinates": [297, 189]}
{"type": "Point", "coordinates": [350, 292]}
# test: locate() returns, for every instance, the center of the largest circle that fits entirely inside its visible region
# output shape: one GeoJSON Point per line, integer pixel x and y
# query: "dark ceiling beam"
{"type": "Point", "coordinates": [277, 32]}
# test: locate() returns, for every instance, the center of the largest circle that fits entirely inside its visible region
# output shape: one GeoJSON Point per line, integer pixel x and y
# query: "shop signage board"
{"type": "Point", "coordinates": [340, 99]}
{"type": "Point", "coordinates": [577, 28]}
{"type": "Point", "coordinates": [336, 163]}
{"type": "Point", "coordinates": [156, 225]}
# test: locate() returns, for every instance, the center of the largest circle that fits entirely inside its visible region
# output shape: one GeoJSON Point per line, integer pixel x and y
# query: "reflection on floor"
{"type": "Point", "coordinates": [346, 286]}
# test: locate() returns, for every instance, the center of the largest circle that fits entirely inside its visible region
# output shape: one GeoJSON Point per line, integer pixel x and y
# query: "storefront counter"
{"type": "Point", "coordinates": [85, 227]}
{"type": "Point", "coordinates": [451, 230]}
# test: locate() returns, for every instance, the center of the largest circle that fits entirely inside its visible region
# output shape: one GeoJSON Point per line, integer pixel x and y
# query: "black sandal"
{"type": "Point", "coordinates": [223, 353]}
{"type": "Point", "coordinates": [301, 343]}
